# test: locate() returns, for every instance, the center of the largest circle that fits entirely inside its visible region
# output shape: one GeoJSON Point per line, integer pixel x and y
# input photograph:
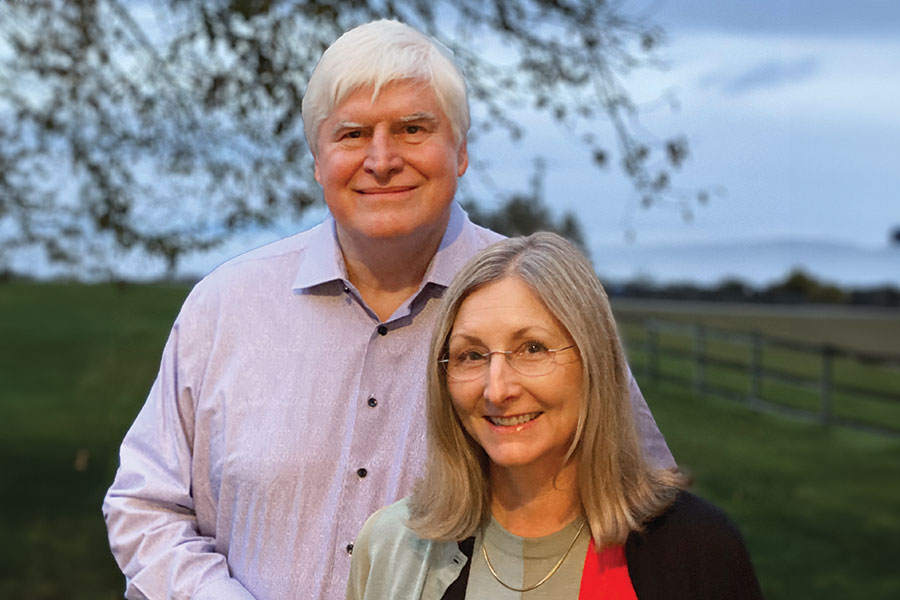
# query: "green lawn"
{"type": "Point", "coordinates": [75, 364]}
{"type": "Point", "coordinates": [867, 329]}
{"type": "Point", "coordinates": [819, 507]}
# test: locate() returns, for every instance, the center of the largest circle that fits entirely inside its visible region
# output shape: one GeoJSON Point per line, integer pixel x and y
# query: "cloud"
{"type": "Point", "coordinates": [763, 75]}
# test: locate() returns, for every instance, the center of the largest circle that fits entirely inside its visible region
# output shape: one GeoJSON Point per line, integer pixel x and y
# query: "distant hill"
{"type": "Point", "coordinates": [756, 263]}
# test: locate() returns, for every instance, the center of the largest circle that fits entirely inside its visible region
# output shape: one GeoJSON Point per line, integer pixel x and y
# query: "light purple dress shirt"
{"type": "Point", "coordinates": [283, 415]}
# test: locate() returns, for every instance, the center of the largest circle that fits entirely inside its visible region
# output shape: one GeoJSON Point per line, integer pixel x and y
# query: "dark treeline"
{"type": "Point", "coordinates": [798, 287]}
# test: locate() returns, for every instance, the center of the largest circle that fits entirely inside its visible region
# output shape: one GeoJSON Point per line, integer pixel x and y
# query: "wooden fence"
{"type": "Point", "coordinates": [832, 385]}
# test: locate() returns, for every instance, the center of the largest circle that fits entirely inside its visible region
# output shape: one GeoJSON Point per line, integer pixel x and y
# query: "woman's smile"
{"type": "Point", "coordinates": [514, 419]}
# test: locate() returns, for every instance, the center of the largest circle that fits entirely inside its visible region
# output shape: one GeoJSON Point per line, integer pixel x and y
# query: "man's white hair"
{"type": "Point", "coordinates": [375, 54]}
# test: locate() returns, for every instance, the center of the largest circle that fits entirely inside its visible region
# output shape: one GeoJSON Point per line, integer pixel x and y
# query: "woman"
{"type": "Point", "coordinates": [535, 486]}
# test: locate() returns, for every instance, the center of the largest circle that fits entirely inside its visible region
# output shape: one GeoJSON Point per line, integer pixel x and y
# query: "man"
{"type": "Point", "coordinates": [289, 402]}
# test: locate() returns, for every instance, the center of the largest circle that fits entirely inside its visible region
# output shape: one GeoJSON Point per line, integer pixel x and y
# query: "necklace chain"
{"type": "Point", "coordinates": [546, 577]}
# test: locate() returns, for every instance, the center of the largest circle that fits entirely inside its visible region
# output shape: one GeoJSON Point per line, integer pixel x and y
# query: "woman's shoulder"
{"type": "Point", "coordinates": [693, 544]}
{"type": "Point", "coordinates": [386, 524]}
{"type": "Point", "coordinates": [391, 561]}
{"type": "Point", "coordinates": [387, 535]}
{"type": "Point", "coordinates": [380, 542]}
{"type": "Point", "coordinates": [690, 523]}
{"type": "Point", "coordinates": [692, 515]}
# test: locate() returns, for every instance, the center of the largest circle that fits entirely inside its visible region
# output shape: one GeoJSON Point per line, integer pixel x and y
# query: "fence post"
{"type": "Point", "coordinates": [756, 368]}
{"type": "Point", "coordinates": [699, 358]}
{"type": "Point", "coordinates": [653, 350]}
{"type": "Point", "coordinates": [827, 374]}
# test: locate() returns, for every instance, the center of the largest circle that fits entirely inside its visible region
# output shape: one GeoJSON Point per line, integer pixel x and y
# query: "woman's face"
{"type": "Point", "coordinates": [519, 420]}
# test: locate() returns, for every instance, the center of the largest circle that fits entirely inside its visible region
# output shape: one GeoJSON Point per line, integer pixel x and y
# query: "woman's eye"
{"type": "Point", "coordinates": [470, 356]}
{"type": "Point", "coordinates": [533, 348]}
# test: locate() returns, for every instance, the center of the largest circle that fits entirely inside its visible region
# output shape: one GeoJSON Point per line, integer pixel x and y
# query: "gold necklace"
{"type": "Point", "coordinates": [546, 577]}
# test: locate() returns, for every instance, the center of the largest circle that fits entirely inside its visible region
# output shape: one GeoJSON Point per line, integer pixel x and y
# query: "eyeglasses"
{"type": "Point", "coordinates": [531, 359]}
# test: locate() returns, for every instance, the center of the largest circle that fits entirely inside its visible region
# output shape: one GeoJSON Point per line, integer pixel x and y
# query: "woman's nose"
{"type": "Point", "coordinates": [501, 381]}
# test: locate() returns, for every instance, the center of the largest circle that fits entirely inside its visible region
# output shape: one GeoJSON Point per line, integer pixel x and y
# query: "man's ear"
{"type": "Point", "coordinates": [462, 159]}
{"type": "Point", "coordinates": [316, 169]}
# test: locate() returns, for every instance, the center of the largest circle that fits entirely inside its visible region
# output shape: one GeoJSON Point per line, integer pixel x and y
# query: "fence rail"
{"type": "Point", "coordinates": [819, 381]}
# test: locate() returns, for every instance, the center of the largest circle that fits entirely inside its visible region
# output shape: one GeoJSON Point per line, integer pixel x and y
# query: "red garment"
{"type": "Point", "coordinates": [605, 575]}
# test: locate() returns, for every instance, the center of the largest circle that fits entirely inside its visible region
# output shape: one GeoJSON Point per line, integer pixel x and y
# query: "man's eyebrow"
{"type": "Point", "coordinates": [419, 116]}
{"type": "Point", "coordinates": [345, 125]}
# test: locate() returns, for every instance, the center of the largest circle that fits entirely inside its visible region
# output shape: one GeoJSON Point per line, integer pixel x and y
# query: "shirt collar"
{"type": "Point", "coordinates": [323, 262]}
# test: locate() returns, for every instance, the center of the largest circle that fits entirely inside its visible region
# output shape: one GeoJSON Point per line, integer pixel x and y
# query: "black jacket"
{"type": "Point", "coordinates": [693, 551]}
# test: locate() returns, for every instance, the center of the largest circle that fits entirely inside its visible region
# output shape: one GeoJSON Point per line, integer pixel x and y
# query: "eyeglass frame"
{"type": "Point", "coordinates": [445, 362]}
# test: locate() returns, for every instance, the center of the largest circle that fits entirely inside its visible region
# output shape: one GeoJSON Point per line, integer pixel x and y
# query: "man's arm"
{"type": "Point", "coordinates": [653, 443]}
{"type": "Point", "coordinates": [149, 509]}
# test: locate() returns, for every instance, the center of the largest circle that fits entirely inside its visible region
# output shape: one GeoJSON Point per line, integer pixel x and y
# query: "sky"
{"type": "Point", "coordinates": [792, 112]}
{"type": "Point", "coordinates": [793, 107]}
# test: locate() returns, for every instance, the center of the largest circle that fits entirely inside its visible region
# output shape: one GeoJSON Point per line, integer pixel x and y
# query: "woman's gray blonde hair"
{"type": "Point", "coordinates": [619, 492]}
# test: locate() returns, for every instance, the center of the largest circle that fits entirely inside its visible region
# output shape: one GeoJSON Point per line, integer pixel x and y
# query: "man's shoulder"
{"type": "Point", "coordinates": [276, 261]}
{"type": "Point", "coordinates": [256, 274]}
{"type": "Point", "coordinates": [479, 237]}
{"type": "Point", "coordinates": [462, 240]}
{"type": "Point", "coordinates": [286, 250]}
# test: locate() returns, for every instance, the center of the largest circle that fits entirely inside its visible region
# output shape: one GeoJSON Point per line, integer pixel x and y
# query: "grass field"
{"type": "Point", "coordinates": [75, 365]}
{"type": "Point", "coordinates": [819, 507]}
{"type": "Point", "coordinates": [857, 328]}
{"type": "Point", "coordinates": [789, 345]}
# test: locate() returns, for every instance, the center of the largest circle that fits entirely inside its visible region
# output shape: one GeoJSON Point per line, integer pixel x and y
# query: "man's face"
{"type": "Point", "coordinates": [389, 169]}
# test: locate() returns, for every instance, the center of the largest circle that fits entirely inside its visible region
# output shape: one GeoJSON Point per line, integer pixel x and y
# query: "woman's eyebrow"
{"type": "Point", "coordinates": [464, 336]}
{"type": "Point", "coordinates": [519, 334]}
{"type": "Point", "coordinates": [529, 330]}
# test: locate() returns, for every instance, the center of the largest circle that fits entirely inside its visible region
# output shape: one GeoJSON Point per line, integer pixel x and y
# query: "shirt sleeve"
{"type": "Point", "coordinates": [653, 443]}
{"type": "Point", "coordinates": [149, 509]}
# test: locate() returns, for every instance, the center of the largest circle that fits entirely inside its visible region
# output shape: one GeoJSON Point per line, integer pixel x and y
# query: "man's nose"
{"type": "Point", "coordinates": [502, 382]}
{"type": "Point", "coordinates": [383, 158]}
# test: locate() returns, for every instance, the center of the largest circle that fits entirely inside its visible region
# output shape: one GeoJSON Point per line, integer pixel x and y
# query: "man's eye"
{"type": "Point", "coordinates": [353, 135]}
{"type": "Point", "coordinates": [415, 132]}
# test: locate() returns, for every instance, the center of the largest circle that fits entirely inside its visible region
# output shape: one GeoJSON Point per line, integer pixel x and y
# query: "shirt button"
{"type": "Point", "coordinates": [346, 290]}
{"type": "Point", "coordinates": [349, 548]}
{"type": "Point", "coordinates": [362, 472]}
{"type": "Point", "coordinates": [382, 330]}
{"type": "Point", "coordinates": [372, 402]}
